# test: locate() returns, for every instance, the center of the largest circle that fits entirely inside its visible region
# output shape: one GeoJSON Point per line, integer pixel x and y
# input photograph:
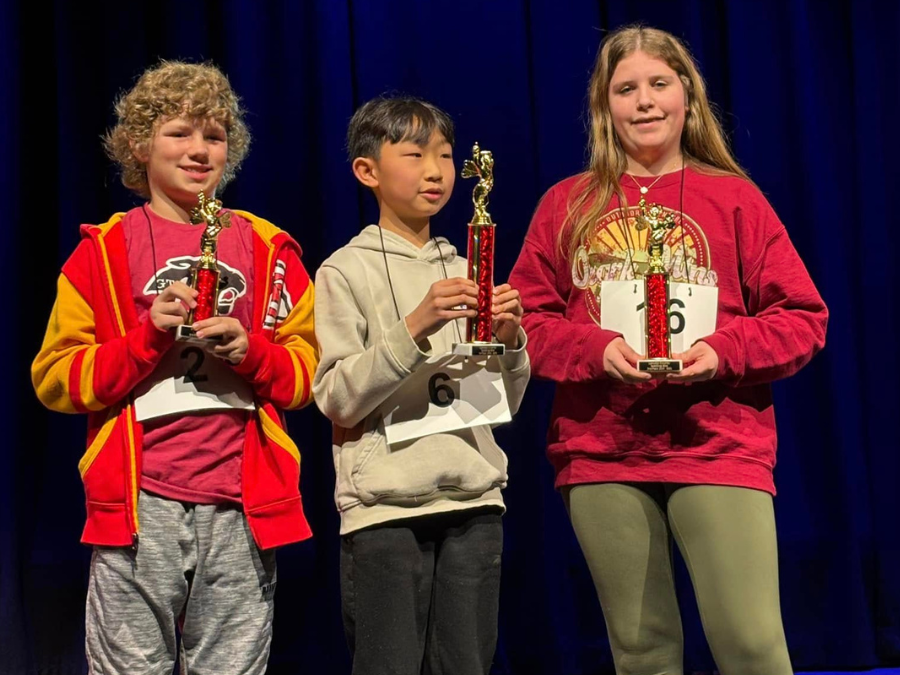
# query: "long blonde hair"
{"type": "Point", "coordinates": [703, 144]}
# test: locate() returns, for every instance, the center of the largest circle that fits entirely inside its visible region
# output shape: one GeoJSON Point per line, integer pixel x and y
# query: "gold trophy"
{"type": "Point", "coordinates": [656, 286]}
{"type": "Point", "coordinates": [205, 278]}
{"type": "Point", "coordinates": [479, 329]}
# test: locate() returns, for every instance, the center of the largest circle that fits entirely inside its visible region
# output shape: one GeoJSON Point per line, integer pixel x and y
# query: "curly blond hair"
{"type": "Point", "coordinates": [172, 89]}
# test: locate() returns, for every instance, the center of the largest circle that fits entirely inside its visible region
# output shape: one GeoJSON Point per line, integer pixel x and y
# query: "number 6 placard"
{"type": "Point", "coordinates": [692, 312]}
{"type": "Point", "coordinates": [446, 393]}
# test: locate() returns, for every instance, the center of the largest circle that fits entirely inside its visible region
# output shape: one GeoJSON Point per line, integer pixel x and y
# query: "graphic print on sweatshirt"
{"type": "Point", "coordinates": [233, 284]}
{"type": "Point", "coordinates": [614, 243]}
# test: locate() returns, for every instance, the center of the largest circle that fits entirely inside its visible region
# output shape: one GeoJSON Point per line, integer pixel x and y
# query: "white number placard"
{"type": "Point", "coordinates": [692, 312]}
{"type": "Point", "coordinates": [188, 379]}
{"type": "Point", "coordinates": [446, 393]}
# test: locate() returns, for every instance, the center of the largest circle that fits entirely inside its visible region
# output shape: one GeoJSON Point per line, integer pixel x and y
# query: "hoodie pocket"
{"type": "Point", "coordinates": [465, 463]}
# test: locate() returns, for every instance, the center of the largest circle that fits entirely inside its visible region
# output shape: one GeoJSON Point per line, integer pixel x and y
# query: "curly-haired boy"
{"type": "Point", "coordinates": [190, 478]}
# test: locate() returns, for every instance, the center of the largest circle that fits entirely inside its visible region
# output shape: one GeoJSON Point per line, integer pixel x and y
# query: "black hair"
{"type": "Point", "coordinates": [392, 119]}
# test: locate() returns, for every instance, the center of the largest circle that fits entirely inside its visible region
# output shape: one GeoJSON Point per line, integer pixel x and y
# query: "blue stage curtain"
{"type": "Point", "coordinates": [809, 95]}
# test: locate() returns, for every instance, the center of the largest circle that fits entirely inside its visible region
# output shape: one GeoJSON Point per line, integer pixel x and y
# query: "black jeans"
{"type": "Point", "coordinates": [421, 595]}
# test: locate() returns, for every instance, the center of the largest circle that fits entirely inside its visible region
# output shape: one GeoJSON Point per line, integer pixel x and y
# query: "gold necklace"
{"type": "Point", "coordinates": [642, 204]}
{"type": "Point", "coordinates": [645, 189]}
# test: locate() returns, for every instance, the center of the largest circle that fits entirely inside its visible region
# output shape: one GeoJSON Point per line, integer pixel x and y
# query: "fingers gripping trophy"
{"type": "Point", "coordinates": [205, 277]}
{"type": "Point", "coordinates": [479, 334]}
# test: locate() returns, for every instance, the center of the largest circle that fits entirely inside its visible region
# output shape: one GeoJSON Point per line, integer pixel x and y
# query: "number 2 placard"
{"type": "Point", "coordinates": [692, 312]}
{"type": "Point", "coordinates": [446, 393]}
{"type": "Point", "coordinates": [189, 379]}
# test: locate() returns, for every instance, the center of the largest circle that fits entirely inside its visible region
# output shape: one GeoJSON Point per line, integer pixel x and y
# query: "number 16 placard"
{"type": "Point", "coordinates": [692, 312]}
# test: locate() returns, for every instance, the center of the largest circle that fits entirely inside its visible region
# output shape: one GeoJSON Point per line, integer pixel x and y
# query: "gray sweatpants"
{"type": "Point", "coordinates": [196, 567]}
{"type": "Point", "coordinates": [727, 538]}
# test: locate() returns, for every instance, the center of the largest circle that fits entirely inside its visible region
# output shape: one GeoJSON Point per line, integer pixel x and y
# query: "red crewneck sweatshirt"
{"type": "Point", "coordinates": [770, 322]}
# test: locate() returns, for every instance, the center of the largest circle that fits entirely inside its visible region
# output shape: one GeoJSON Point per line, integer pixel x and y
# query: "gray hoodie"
{"type": "Point", "coordinates": [367, 354]}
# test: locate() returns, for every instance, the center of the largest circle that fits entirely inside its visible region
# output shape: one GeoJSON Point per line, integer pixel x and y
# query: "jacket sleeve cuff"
{"type": "Point", "coordinates": [255, 358]}
{"type": "Point", "coordinates": [404, 349]}
{"type": "Point", "coordinates": [149, 343]}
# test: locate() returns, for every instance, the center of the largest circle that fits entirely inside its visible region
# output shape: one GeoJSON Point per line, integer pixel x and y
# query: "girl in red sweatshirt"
{"type": "Point", "coordinates": [643, 458]}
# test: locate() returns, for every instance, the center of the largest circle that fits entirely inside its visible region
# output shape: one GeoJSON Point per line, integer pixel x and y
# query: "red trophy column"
{"type": "Point", "coordinates": [207, 294]}
{"type": "Point", "coordinates": [658, 340]}
{"type": "Point", "coordinates": [656, 285]}
{"type": "Point", "coordinates": [481, 270]}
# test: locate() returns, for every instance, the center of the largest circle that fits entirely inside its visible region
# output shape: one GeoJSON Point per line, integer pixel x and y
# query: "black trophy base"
{"type": "Point", "coordinates": [659, 365]}
{"type": "Point", "coordinates": [187, 334]}
{"type": "Point", "coordinates": [479, 348]}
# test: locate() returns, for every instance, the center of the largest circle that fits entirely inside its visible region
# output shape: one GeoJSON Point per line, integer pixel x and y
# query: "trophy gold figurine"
{"type": "Point", "coordinates": [479, 329]}
{"type": "Point", "coordinates": [205, 276]}
{"type": "Point", "coordinates": [656, 286]}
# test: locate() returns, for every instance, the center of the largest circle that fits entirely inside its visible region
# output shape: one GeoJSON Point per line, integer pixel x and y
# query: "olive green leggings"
{"type": "Point", "coordinates": [727, 538]}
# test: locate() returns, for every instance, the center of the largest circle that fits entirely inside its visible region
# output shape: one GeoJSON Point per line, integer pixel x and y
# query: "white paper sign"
{"type": "Point", "coordinates": [446, 393]}
{"type": "Point", "coordinates": [692, 312]}
{"type": "Point", "coordinates": [188, 379]}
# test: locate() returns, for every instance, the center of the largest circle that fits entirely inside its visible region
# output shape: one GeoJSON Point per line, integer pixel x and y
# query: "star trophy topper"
{"type": "Point", "coordinates": [656, 287]}
{"type": "Point", "coordinates": [479, 329]}
{"type": "Point", "coordinates": [205, 277]}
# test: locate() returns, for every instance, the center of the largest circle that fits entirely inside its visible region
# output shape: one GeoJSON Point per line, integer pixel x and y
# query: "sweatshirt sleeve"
{"type": "Point", "coordinates": [561, 350]}
{"type": "Point", "coordinates": [786, 317]}
{"type": "Point", "coordinates": [352, 380]}
{"type": "Point", "coordinates": [72, 373]}
{"type": "Point", "coordinates": [280, 370]}
{"type": "Point", "coordinates": [515, 368]}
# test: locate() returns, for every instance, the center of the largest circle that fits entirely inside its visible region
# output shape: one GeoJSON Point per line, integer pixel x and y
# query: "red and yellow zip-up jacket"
{"type": "Point", "coordinates": [96, 351]}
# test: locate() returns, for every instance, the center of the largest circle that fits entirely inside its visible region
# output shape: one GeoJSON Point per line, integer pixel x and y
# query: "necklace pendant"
{"type": "Point", "coordinates": [644, 190]}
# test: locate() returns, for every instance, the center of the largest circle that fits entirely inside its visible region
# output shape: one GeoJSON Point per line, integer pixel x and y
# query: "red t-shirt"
{"type": "Point", "coordinates": [194, 457]}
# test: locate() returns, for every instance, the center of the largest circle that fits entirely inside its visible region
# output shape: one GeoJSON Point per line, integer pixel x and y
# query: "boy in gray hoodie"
{"type": "Point", "coordinates": [420, 519]}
